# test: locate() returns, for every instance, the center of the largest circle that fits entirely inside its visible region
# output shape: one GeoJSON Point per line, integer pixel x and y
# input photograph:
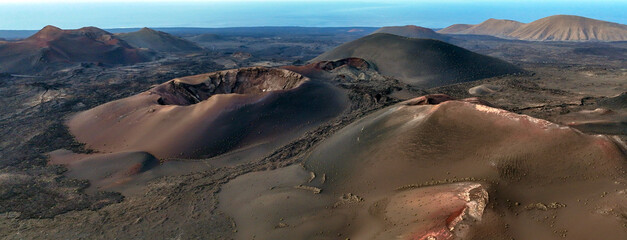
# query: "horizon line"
{"type": "Point", "coordinates": [265, 26]}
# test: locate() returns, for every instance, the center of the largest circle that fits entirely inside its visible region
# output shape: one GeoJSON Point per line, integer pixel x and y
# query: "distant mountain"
{"type": "Point", "coordinates": [571, 28]}
{"type": "Point", "coordinates": [420, 62]}
{"type": "Point", "coordinates": [455, 28]}
{"type": "Point", "coordinates": [158, 41]}
{"type": "Point", "coordinates": [51, 48]}
{"type": "Point", "coordinates": [412, 31]}
{"type": "Point", "coordinates": [493, 27]}
{"type": "Point", "coordinates": [553, 28]}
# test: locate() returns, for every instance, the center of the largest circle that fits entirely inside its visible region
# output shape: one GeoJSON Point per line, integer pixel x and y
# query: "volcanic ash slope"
{"type": "Point", "coordinates": [454, 170]}
{"type": "Point", "coordinates": [52, 48]}
{"type": "Point", "coordinates": [210, 114]}
{"type": "Point", "coordinates": [420, 62]}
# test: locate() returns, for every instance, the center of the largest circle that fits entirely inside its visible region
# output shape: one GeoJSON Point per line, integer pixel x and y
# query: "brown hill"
{"type": "Point", "coordinates": [493, 27]}
{"type": "Point", "coordinates": [210, 114]}
{"type": "Point", "coordinates": [455, 28]}
{"type": "Point", "coordinates": [420, 62]}
{"type": "Point", "coordinates": [571, 28]}
{"type": "Point", "coordinates": [158, 41]}
{"type": "Point", "coordinates": [52, 47]}
{"type": "Point", "coordinates": [454, 170]}
{"type": "Point", "coordinates": [412, 31]}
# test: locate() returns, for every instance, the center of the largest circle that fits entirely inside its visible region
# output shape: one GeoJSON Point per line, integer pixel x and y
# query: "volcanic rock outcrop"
{"type": "Point", "coordinates": [412, 31]}
{"type": "Point", "coordinates": [426, 171]}
{"type": "Point", "coordinates": [210, 114]}
{"type": "Point", "coordinates": [420, 62]}
{"type": "Point", "coordinates": [158, 41]}
{"type": "Point", "coordinates": [321, 69]}
{"type": "Point", "coordinates": [52, 48]}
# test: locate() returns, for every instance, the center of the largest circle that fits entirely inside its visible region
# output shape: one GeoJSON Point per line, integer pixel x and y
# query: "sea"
{"type": "Point", "coordinates": [26, 15]}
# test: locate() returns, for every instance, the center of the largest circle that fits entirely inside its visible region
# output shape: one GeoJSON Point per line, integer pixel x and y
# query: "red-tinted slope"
{"type": "Point", "coordinates": [210, 114]}
{"type": "Point", "coordinates": [52, 47]}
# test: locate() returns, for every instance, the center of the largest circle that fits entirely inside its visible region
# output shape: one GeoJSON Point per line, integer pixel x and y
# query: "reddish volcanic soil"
{"type": "Point", "coordinates": [446, 171]}
{"type": "Point", "coordinates": [52, 47]}
{"type": "Point", "coordinates": [210, 114]}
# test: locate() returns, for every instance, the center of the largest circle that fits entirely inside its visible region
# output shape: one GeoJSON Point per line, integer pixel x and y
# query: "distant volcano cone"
{"type": "Point", "coordinates": [571, 28]}
{"type": "Point", "coordinates": [158, 41]}
{"type": "Point", "coordinates": [412, 31]}
{"type": "Point", "coordinates": [54, 48]}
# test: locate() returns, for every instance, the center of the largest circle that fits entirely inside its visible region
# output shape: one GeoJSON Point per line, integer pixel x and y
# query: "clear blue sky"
{"type": "Point", "coordinates": [35, 14]}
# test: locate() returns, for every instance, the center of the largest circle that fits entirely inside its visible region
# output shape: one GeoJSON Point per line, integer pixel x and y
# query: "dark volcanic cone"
{"type": "Point", "coordinates": [420, 62]}
{"type": "Point", "coordinates": [412, 31]}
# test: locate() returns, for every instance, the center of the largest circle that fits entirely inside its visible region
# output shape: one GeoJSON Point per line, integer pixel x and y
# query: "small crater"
{"type": "Point", "coordinates": [254, 80]}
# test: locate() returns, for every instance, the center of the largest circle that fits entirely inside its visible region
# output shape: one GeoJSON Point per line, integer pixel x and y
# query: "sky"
{"type": "Point", "coordinates": [70, 14]}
